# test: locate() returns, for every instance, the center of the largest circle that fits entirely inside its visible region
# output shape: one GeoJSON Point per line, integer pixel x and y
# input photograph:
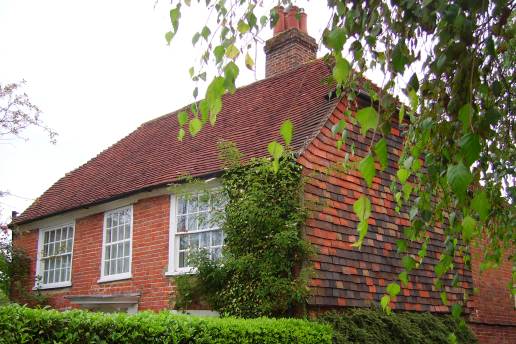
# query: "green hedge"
{"type": "Point", "coordinates": [19, 324]}
{"type": "Point", "coordinates": [373, 326]}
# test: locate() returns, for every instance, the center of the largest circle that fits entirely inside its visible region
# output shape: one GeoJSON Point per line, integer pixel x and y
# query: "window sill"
{"type": "Point", "coordinates": [53, 286]}
{"type": "Point", "coordinates": [113, 278]}
{"type": "Point", "coordinates": [172, 273]}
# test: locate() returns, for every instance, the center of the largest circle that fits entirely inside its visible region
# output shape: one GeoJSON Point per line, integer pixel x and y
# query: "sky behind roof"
{"type": "Point", "coordinates": [97, 69]}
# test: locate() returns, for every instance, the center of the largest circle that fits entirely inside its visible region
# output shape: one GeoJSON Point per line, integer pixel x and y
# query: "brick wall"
{"type": "Point", "coordinates": [346, 276]}
{"type": "Point", "coordinates": [493, 312]}
{"type": "Point", "coordinates": [288, 50]}
{"type": "Point", "coordinates": [149, 258]}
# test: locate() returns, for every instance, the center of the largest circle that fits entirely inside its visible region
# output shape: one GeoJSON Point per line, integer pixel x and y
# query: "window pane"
{"type": "Point", "coordinates": [205, 239]}
{"type": "Point", "coordinates": [216, 238]}
{"type": "Point", "coordinates": [106, 267]}
{"type": "Point", "coordinates": [204, 201]}
{"type": "Point", "coordinates": [114, 252]}
{"type": "Point", "coordinates": [119, 266]}
{"type": "Point", "coordinates": [45, 250]}
{"type": "Point", "coordinates": [194, 241]}
{"type": "Point", "coordinates": [114, 222]}
{"type": "Point", "coordinates": [183, 242]}
{"type": "Point", "coordinates": [121, 232]}
{"type": "Point", "coordinates": [127, 231]}
{"type": "Point", "coordinates": [181, 224]}
{"type": "Point", "coordinates": [107, 254]}
{"type": "Point", "coordinates": [216, 253]}
{"type": "Point", "coordinates": [127, 249]}
{"type": "Point", "coordinates": [114, 235]}
{"type": "Point", "coordinates": [52, 236]}
{"type": "Point", "coordinates": [181, 205]}
{"type": "Point", "coordinates": [120, 250]}
{"type": "Point", "coordinates": [69, 245]}
{"type": "Point", "coordinates": [192, 223]}
{"type": "Point", "coordinates": [108, 234]}
{"type": "Point", "coordinates": [126, 264]}
{"type": "Point", "coordinates": [58, 234]}
{"type": "Point", "coordinates": [203, 221]}
{"type": "Point", "coordinates": [182, 259]}
{"type": "Point", "coordinates": [112, 267]}
{"type": "Point", "coordinates": [51, 276]}
{"type": "Point", "coordinates": [192, 204]}
{"type": "Point", "coordinates": [45, 277]}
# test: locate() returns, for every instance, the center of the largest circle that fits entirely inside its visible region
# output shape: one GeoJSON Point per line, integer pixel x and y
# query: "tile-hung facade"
{"type": "Point", "coordinates": [113, 237]}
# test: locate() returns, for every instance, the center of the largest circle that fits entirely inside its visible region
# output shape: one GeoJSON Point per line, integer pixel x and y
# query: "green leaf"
{"type": "Point", "coordinates": [481, 205]}
{"type": "Point", "coordinates": [181, 134]}
{"type": "Point", "coordinates": [232, 52]}
{"type": "Point", "coordinates": [403, 276]}
{"type": "Point", "coordinates": [403, 175]}
{"type": "Point", "coordinates": [456, 310]}
{"type": "Point", "coordinates": [168, 36]}
{"type": "Point", "coordinates": [275, 149]}
{"type": "Point", "coordinates": [362, 232]}
{"type": "Point", "coordinates": [219, 52]}
{"type": "Point", "coordinates": [215, 108]}
{"type": "Point", "coordinates": [470, 148]}
{"type": "Point", "coordinates": [242, 27]}
{"type": "Point", "coordinates": [367, 118]}
{"type": "Point", "coordinates": [384, 302]}
{"type": "Point", "coordinates": [182, 118]}
{"type": "Point", "coordinates": [459, 177]}
{"type": "Point", "coordinates": [231, 72]}
{"type": "Point", "coordinates": [444, 297]}
{"type": "Point", "coordinates": [249, 62]}
{"type": "Point", "coordinates": [414, 100]}
{"type": "Point", "coordinates": [195, 126]}
{"type": "Point", "coordinates": [465, 114]}
{"type": "Point", "coordinates": [408, 263]}
{"type": "Point", "coordinates": [175, 14]}
{"type": "Point", "coordinates": [401, 113]}
{"type": "Point", "coordinates": [468, 227]}
{"type": "Point", "coordinates": [362, 208]}
{"type": "Point", "coordinates": [286, 131]}
{"type": "Point", "coordinates": [380, 149]}
{"type": "Point", "coordinates": [205, 33]}
{"type": "Point", "coordinates": [338, 127]}
{"type": "Point", "coordinates": [341, 70]}
{"type": "Point", "coordinates": [336, 39]}
{"type": "Point", "coordinates": [399, 57]}
{"type": "Point", "coordinates": [393, 289]}
{"type": "Point", "coordinates": [367, 169]}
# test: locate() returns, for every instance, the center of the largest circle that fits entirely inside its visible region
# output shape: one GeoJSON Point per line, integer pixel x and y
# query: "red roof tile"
{"type": "Point", "coordinates": [151, 156]}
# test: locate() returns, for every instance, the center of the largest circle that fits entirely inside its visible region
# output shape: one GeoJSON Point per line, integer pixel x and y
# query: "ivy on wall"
{"type": "Point", "coordinates": [264, 270]}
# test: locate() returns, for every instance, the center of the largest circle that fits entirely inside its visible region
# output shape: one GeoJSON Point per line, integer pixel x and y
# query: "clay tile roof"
{"type": "Point", "coordinates": [151, 156]}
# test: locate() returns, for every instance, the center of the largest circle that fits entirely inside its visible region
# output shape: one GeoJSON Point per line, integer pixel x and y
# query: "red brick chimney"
{"type": "Point", "coordinates": [291, 45]}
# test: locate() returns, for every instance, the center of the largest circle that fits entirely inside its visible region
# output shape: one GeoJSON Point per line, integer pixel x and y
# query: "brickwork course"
{"type": "Point", "coordinates": [151, 158]}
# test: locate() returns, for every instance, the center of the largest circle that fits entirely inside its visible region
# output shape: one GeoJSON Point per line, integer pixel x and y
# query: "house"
{"type": "Point", "coordinates": [118, 225]}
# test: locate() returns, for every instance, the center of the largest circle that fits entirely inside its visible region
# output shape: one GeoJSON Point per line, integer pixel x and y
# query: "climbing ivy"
{"type": "Point", "coordinates": [264, 270]}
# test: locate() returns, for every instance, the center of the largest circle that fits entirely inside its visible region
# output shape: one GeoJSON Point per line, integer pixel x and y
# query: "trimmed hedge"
{"type": "Point", "coordinates": [19, 324]}
{"type": "Point", "coordinates": [373, 326]}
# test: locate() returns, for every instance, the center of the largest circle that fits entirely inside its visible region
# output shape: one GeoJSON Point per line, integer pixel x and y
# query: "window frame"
{"type": "Point", "coordinates": [124, 275]}
{"type": "Point", "coordinates": [38, 280]}
{"type": "Point", "coordinates": [173, 244]}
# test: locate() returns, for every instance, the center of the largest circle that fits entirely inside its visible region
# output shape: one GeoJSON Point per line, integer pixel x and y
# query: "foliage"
{"type": "Point", "coordinates": [263, 270]}
{"type": "Point", "coordinates": [17, 113]}
{"type": "Point", "coordinates": [14, 269]}
{"type": "Point", "coordinates": [453, 64]}
{"type": "Point", "coordinates": [24, 325]}
{"type": "Point", "coordinates": [372, 326]}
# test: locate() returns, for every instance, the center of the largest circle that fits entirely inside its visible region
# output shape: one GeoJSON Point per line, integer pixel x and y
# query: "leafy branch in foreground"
{"type": "Point", "coordinates": [453, 64]}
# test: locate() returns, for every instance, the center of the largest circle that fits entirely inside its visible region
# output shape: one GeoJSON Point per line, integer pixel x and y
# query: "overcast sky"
{"type": "Point", "coordinates": [97, 69]}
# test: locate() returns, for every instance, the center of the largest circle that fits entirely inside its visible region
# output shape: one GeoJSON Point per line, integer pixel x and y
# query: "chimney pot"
{"type": "Point", "coordinates": [280, 24]}
{"type": "Point", "coordinates": [14, 214]}
{"type": "Point", "coordinates": [292, 21]}
{"type": "Point", "coordinates": [303, 23]}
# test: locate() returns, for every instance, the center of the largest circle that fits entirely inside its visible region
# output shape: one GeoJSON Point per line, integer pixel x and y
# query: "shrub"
{"type": "Point", "coordinates": [265, 268]}
{"type": "Point", "coordinates": [373, 326]}
{"type": "Point", "coordinates": [19, 324]}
